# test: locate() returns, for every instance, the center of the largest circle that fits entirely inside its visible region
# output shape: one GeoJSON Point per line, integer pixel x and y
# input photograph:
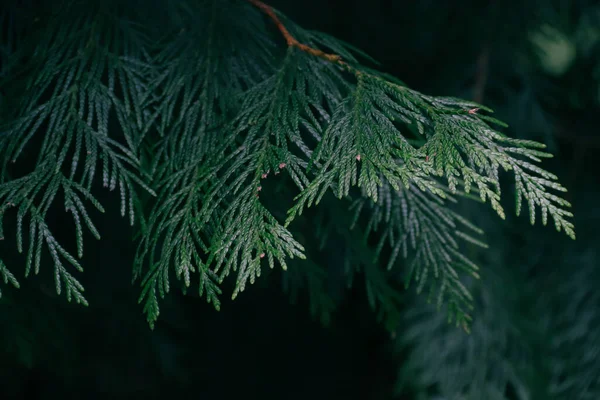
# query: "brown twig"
{"type": "Point", "coordinates": [291, 41]}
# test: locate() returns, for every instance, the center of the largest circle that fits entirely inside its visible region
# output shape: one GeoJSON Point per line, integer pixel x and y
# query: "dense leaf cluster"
{"type": "Point", "coordinates": [188, 123]}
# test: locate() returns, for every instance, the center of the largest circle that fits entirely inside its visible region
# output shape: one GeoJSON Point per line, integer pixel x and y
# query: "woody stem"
{"type": "Point", "coordinates": [291, 40]}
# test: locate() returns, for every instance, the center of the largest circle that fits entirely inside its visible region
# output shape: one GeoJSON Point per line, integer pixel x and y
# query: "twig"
{"type": "Point", "coordinates": [291, 41]}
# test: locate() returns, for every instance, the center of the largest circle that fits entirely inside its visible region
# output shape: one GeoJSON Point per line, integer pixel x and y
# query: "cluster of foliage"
{"type": "Point", "coordinates": [239, 141]}
{"type": "Point", "coordinates": [202, 119]}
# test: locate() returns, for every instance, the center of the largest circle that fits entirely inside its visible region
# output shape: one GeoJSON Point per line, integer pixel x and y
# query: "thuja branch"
{"type": "Point", "coordinates": [291, 40]}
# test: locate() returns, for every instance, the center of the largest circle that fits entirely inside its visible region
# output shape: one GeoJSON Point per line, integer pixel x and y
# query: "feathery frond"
{"type": "Point", "coordinates": [573, 325]}
{"type": "Point", "coordinates": [213, 110]}
{"type": "Point", "coordinates": [422, 229]}
{"type": "Point", "coordinates": [7, 276]}
{"type": "Point", "coordinates": [460, 145]}
{"type": "Point", "coordinates": [492, 362]}
{"type": "Point", "coordinates": [79, 83]}
{"type": "Point", "coordinates": [46, 182]}
{"type": "Point", "coordinates": [382, 291]}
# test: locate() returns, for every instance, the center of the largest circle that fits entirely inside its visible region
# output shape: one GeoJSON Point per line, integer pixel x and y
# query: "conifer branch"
{"type": "Point", "coordinates": [480, 365]}
{"type": "Point", "coordinates": [66, 109]}
{"type": "Point", "coordinates": [213, 109]}
{"type": "Point", "coordinates": [383, 291]}
{"type": "Point", "coordinates": [422, 231]}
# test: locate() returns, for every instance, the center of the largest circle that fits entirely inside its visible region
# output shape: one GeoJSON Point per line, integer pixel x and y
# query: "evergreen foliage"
{"type": "Point", "coordinates": [493, 362]}
{"type": "Point", "coordinates": [203, 119]}
{"type": "Point", "coordinates": [524, 343]}
{"type": "Point", "coordinates": [239, 142]}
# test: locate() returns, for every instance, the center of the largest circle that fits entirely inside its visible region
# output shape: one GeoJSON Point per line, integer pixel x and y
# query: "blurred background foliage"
{"type": "Point", "coordinates": [536, 329]}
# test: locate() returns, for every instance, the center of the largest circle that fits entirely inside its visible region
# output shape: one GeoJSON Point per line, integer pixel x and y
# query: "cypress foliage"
{"type": "Point", "coordinates": [236, 141]}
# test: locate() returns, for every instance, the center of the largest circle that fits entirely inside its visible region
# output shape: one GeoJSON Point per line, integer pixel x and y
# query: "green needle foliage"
{"type": "Point", "coordinates": [193, 120]}
{"type": "Point", "coordinates": [492, 362]}
{"type": "Point", "coordinates": [419, 227]}
{"type": "Point", "coordinates": [75, 80]}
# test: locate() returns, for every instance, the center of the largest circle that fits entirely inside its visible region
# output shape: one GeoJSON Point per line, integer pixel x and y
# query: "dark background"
{"type": "Point", "coordinates": [260, 346]}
